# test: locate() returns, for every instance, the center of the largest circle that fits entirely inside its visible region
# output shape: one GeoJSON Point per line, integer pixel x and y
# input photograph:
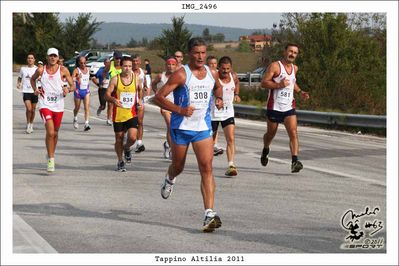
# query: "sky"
{"type": "Point", "coordinates": [236, 20]}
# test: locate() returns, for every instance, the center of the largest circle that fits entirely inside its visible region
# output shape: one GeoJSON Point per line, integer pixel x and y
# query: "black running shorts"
{"type": "Point", "coordinates": [278, 117]}
{"type": "Point", "coordinates": [124, 126]}
{"type": "Point", "coordinates": [225, 123]}
{"type": "Point", "coordinates": [30, 97]}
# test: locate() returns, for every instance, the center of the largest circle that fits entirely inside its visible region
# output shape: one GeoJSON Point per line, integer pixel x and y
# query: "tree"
{"type": "Point", "coordinates": [78, 33]}
{"type": "Point", "coordinates": [176, 38]}
{"type": "Point", "coordinates": [218, 37]}
{"type": "Point", "coordinates": [244, 46]}
{"type": "Point", "coordinates": [132, 43]}
{"type": "Point", "coordinates": [35, 32]}
{"type": "Point", "coordinates": [206, 35]}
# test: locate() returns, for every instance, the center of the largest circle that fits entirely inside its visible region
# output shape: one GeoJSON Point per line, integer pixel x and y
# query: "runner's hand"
{"type": "Point", "coordinates": [187, 111]}
{"type": "Point", "coordinates": [117, 102]}
{"type": "Point", "coordinates": [65, 91]}
{"type": "Point", "coordinates": [305, 95]}
{"type": "Point", "coordinates": [219, 103]}
{"type": "Point", "coordinates": [284, 83]}
{"type": "Point", "coordinates": [39, 92]}
{"type": "Point", "coordinates": [237, 98]}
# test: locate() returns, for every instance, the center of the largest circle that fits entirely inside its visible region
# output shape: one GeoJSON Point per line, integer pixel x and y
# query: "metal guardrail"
{"type": "Point", "coordinates": [324, 118]}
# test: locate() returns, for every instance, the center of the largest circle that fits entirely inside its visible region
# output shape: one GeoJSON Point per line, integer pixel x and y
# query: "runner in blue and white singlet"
{"type": "Point", "coordinates": [196, 93]}
{"type": "Point", "coordinates": [81, 75]}
{"type": "Point", "coordinates": [193, 86]}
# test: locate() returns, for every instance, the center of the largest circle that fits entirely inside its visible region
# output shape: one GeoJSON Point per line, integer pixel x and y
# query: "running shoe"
{"type": "Point", "coordinates": [99, 111]}
{"type": "Point", "coordinates": [231, 171]}
{"type": "Point", "coordinates": [109, 122]}
{"type": "Point", "coordinates": [121, 167]}
{"type": "Point", "coordinates": [264, 159]}
{"type": "Point", "coordinates": [75, 124]}
{"type": "Point", "coordinates": [28, 129]}
{"type": "Point", "coordinates": [167, 188]}
{"type": "Point", "coordinates": [217, 151]}
{"type": "Point", "coordinates": [31, 128]}
{"type": "Point", "coordinates": [166, 150]}
{"type": "Point", "coordinates": [87, 127]}
{"type": "Point", "coordinates": [128, 156]}
{"type": "Point", "coordinates": [296, 167]}
{"type": "Point", "coordinates": [50, 165]}
{"type": "Point", "coordinates": [139, 148]}
{"type": "Point", "coordinates": [211, 222]}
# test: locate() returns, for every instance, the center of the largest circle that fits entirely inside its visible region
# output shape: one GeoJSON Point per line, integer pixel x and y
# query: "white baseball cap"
{"type": "Point", "coordinates": [52, 51]}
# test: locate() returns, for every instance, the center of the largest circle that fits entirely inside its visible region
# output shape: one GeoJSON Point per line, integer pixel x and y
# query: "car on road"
{"type": "Point", "coordinates": [91, 55]}
{"type": "Point", "coordinates": [255, 76]}
{"type": "Point", "coordinates": [99, 62]}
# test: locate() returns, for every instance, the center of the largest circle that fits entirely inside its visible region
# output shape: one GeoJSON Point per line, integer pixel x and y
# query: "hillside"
{"type": "Point", "coordinates": [122, 32]}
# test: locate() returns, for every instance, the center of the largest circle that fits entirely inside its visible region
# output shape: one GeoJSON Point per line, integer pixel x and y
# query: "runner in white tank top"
{"type": "Point", "coordinates": [193, 86]}
{"type": "Point", "coordinates": [29, 98]}
{"type": "Point", "coordinates": [51, 100]}
{"type": "Point", "coordinates": [140, 111]}
{"type": "Point", "coordinates": [225, 115]}
{"type": "Point", "coordinates": [81, 75]}
{"type": "Point", "coordinates": [281, 81]}
{"type": "Point", "coordinates": [159, 81]}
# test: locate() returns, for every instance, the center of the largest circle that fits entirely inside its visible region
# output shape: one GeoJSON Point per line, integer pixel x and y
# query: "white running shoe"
{"type": "Point", "coordinates": [167, 188]}
{"type": "Point", "coordinates": [75, 124]}
{"type": "Point", "coordinates": [28, 129]}
{"type": "Point", "coordinates": [109, 122]}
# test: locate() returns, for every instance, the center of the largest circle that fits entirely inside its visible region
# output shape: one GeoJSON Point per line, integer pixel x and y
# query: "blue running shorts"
{"type": "Point", "coordinates": [185, 137]}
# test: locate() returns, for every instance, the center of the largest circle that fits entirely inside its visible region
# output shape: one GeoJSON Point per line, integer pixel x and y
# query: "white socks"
{"type": "Point", "coordinates": [209, 213]}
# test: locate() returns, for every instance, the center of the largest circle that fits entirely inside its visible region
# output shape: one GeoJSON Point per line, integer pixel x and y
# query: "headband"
{"type": "Point", "coordinates": [171, 60]}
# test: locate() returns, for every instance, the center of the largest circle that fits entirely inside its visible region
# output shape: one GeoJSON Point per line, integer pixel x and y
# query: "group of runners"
{"type": "Point", "coordinates": [194, 99]}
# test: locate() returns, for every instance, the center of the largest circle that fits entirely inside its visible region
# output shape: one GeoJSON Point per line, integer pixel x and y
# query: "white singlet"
{"type": "Point", "coordinates": [228, 97]}
{"type": "Point", "coordinates": [282, 100]}
{"type": "Point", "coordinates": [161, 83]}
{"type": "Point", "coordinates": [53, 97]}
{"type": "Point", "coordinates": [25, 74]}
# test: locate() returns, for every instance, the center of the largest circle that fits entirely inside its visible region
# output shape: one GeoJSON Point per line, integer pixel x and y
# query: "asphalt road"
{"type": "Point", "coordinates": [88, 207]}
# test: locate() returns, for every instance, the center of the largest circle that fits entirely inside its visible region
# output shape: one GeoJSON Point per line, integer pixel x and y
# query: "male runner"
{"type": "Point", "coordinates": [193, 87]}
{"type": "Point", "coordinates": [159, 81]}
{"type": "Point", "coordinates": [138, 71]}
{"type": "Point", "coordinates": [29, 98]}
{"type": "Point", "coordinates": [81, 75]}
{"type": "Point", "coordinates": [123, 92]}
{"type": "Point", "coordinates": [280, 79]}
{"type": "Point", "coordinates": [225, 116]}
{"type": "Point", "coordinates": [51, 100]}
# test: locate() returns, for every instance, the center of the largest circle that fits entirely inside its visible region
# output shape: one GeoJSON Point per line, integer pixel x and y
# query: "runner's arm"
{"type": "Point", "coordinates": [33, 79]}
{"type": "Point", "coordinates": [177, 79]}
{"type": "Point", "coordinates": [69, 79]}
{"type": "Point", "coordinates": [217, 90]}
{"type": "Point", "coordinates": [155, 82]}
{"type": "Point", "coordinates": [268, 82]}
{"type": "Point", "coordinates": [108, 97]}
{"type": "Point", "coordinates": [237, 88]}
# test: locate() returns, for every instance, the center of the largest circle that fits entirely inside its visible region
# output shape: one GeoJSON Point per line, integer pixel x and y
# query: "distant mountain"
{"type": "Point", "coordinates": [122, 32]}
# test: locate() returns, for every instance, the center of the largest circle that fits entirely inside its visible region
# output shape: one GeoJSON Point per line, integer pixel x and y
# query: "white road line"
{"type": "Point", "coordinates": [324, 171]}
{"type": "Point", "coordinates": [27, 240]}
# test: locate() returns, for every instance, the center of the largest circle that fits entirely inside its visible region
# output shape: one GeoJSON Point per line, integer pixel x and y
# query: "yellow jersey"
{"type": "Point", "coordinates": [127, 95]}
{"type": "Point", "coordinates": [113, 71]}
